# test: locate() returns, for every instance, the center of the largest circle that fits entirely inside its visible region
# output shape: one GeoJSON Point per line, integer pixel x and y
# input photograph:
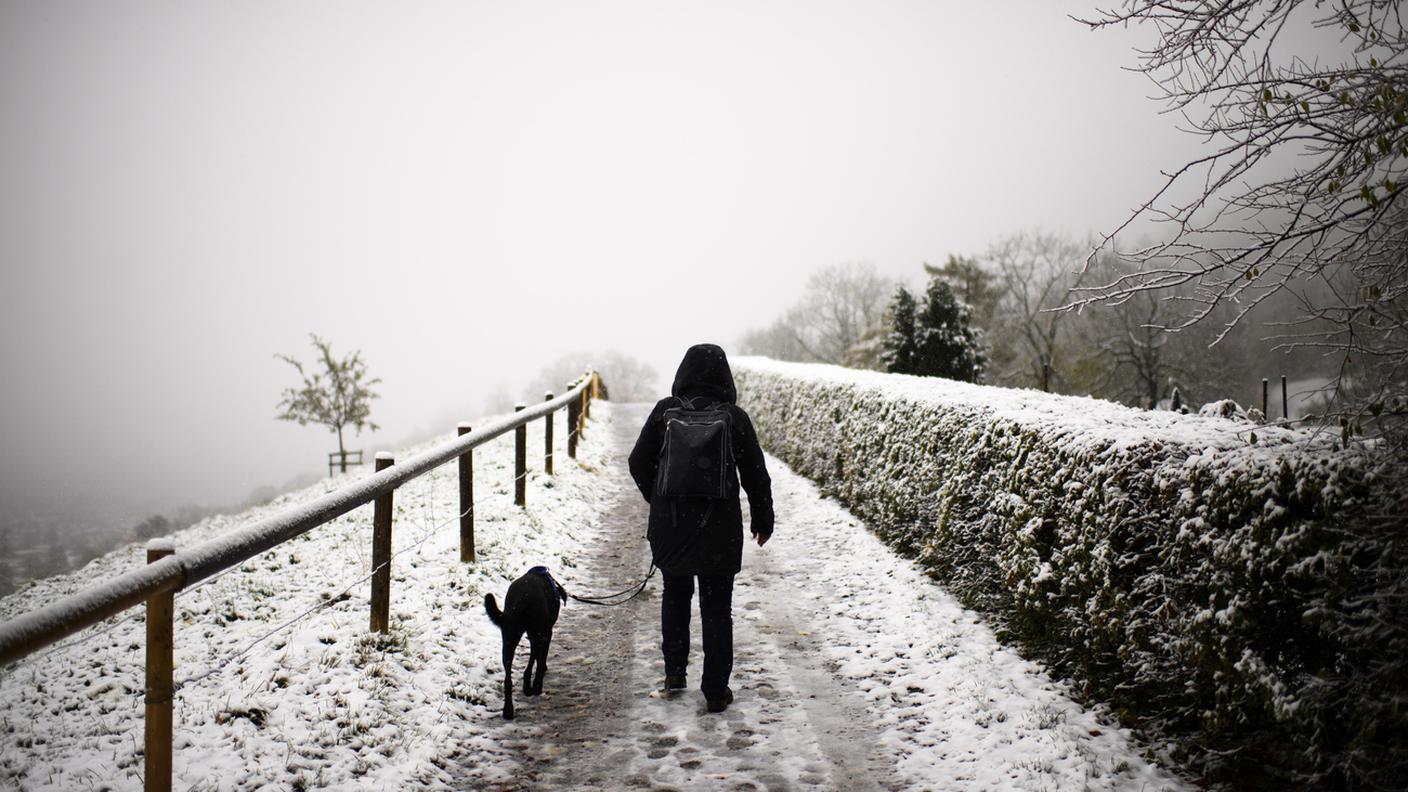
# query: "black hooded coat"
{"type": "Point", "coordinates": [697, 536]}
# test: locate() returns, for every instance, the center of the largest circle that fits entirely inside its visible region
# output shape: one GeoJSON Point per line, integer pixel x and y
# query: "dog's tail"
{"type": "Point", "coordinates": [495, 615]}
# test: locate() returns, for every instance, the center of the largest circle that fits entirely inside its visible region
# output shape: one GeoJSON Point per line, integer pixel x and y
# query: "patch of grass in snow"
{"type": "Point", "coordinates": [374, 646]}
{"type": "Point", "coordinates": [465, 693]}
{"type": "Point", "coordinates": [986, 717]}
{"type": "Point", "coordinates": [1047, 716]}
{"type": "Point", "coordinates": [255, 715]}
{"type": "Point", "coordinates": [1041, 766]}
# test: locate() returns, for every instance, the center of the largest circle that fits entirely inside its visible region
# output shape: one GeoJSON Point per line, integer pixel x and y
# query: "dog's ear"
{"type": "Point", "coordinates": [562, 592]}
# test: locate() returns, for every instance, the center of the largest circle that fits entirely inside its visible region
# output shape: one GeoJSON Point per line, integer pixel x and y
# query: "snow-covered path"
{"type": "Point", "coordinates": [852, 671]}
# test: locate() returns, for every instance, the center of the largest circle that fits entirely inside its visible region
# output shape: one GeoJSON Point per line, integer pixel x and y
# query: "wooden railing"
{"type": "Point", "coordinates": [168, 572]}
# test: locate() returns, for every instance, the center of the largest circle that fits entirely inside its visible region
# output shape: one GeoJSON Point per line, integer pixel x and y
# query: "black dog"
{"type": "Point", "coordinates": [531, 606]}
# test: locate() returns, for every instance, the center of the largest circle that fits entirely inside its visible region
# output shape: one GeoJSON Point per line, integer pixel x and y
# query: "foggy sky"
{"type": "Point", "coordinates": [464, 191]}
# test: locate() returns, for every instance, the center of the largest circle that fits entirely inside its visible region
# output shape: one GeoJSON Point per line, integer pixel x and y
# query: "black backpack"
{"type": "Point", "coordinates": [696, 457]}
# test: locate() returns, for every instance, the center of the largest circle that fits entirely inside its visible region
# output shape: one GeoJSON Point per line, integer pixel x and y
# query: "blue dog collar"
{"type": "Point", "coordinates": [542, 570]}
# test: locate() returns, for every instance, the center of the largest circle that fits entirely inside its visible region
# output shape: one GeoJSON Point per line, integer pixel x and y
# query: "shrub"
{"type": "Point", "coordinates": [1214, 580]}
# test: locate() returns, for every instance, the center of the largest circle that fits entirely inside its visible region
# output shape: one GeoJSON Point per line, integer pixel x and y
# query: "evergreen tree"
{"type": "Point", "coordinates": [980, 289]}
{"type": "Point", "coordinates": [900, 348]}
{"type": "Point", "coordinates": [948, 344]}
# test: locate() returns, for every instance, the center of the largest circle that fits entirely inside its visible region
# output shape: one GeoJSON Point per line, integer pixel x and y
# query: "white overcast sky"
{"type": "Point", "coordinates": [466, 190]}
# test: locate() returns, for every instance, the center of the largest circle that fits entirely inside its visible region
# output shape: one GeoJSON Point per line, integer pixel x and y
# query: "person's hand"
{"type": "Point", "coordinates": [762, 539]}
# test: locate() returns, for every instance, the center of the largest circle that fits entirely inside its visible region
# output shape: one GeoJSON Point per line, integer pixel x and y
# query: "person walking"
{"type": "Point", "coordinates": [701, 537]}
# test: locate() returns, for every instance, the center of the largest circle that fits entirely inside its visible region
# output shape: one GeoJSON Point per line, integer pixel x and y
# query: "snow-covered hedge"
{"type": "Point", "coordinates": [1193, 571]}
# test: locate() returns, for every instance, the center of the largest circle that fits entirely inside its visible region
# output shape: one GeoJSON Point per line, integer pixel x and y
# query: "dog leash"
{"type": "Point", "coordinates": [635, 590]}
{"type": "Point", "coordinates": [609, 600]}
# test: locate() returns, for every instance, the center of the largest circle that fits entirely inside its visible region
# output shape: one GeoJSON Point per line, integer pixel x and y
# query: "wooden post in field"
{"type": "Point", "coordinates": [583, 413]}
{"type": "Point", "coordinates": [381, 553]}
{"type": "Point", "coordinates": [1264, 416]}
{"type": "Point", "coordinates": [547, 437]}
{"type": "Point", "coordinates": [573, 407]}
{"type": "Point", "coordinates": [160, 640]}
{"type": "Point", "coordinates": [1285, 401]}
{"type": "Point", "coordinates": [466, 500]}
{"type": "Point", "coordinates": [520, 461]}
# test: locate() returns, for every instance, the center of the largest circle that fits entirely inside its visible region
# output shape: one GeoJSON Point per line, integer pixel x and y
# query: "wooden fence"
{"type": "Point", "coordinates": [168, 572]}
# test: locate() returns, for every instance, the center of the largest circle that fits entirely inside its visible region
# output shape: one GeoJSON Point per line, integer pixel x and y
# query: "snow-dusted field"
{"type": "Point", "coordinates": [322, 702]}
{"type": "Point", "coordinates": [853, 670]}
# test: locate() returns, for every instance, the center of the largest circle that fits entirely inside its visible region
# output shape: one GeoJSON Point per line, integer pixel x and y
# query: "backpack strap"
{"type": "Point", "coordinates": [689, 403]}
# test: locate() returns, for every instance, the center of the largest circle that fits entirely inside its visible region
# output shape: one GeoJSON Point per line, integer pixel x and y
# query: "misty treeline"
{"type": "Point", "coordinates": [1004, 317]}
{"type": "Point", "coordinates": [37, 543]}
{"type": "Point", "coordinates": [41, 538]}
{"type": "Point", "coordinates": [1281, 247]}
{"type": "Point", "coordinates": [625, 378]}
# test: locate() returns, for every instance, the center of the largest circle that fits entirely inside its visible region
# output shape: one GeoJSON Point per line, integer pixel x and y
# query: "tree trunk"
{"type": "Point", "coordinates": [341, 452]}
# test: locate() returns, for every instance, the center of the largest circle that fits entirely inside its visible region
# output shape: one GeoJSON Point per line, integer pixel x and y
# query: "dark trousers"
{"type": "Point", "coordinates": [716, 615]}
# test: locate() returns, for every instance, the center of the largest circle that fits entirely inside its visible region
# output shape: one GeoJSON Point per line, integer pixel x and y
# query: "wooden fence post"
{"type": "Point", "coordinates": [381, 552]}
{"type": "Point", "coordinates": [583, 413]}
{"type": "Point", "coordinates": [1285, 402]}
{"type": "Point", "coordinates": [547, 437]}
{"type": "Point", "coordinates": [520, 461]}
{"type": "Point", "coordinates": [573, 407]}
{"type": "Point", "coordinates": [587, 399]}
{"type": "Point", "coordinates": [160, 641]}
{"type": "Point", "coordinates": [1264, 416]}
{"type": "Point", "coordinates": [466, 500]}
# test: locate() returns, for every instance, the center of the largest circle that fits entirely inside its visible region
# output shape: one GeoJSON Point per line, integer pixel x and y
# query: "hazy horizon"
{"type": "Point", "coordinates": [465, 192]}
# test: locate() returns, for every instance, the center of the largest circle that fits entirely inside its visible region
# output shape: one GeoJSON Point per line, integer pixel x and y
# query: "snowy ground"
{"type": "Point", "coordinates": [853, 670]}
{"type": "Point", "coordinates": [321, 703]}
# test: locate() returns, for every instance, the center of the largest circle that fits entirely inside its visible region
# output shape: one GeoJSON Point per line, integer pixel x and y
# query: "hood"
{"type": "Point", "coordinates": [705, 372]}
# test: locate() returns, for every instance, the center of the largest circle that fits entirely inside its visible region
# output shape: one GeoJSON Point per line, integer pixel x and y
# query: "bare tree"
{"type": "Point", "coordinates": [843, 307]}
{"type": "Point", "coordinates": [337, 397]}
{"type": "Point", "coordinates": [778, 341]}
{"type": "Point", "coordinates": [1039, 271]}
{"type": "Point", "coordinates": [1302, 180]}
{"type": "Point", "coordinates": [1126, 352]}
{"type": "Point", "coordinates": [629, 379]}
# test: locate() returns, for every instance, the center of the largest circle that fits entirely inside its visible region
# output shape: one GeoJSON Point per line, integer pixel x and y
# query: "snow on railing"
{"type": "Point", "coordinates": [168, 571]}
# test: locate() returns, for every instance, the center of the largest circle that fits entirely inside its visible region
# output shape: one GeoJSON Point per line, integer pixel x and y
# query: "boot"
{"type": "Point", "coordinates": [719, 702]}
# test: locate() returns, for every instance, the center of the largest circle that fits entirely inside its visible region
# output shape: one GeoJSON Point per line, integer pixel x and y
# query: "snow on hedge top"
{"type": "Point", "coordinates": [1081, 419]}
